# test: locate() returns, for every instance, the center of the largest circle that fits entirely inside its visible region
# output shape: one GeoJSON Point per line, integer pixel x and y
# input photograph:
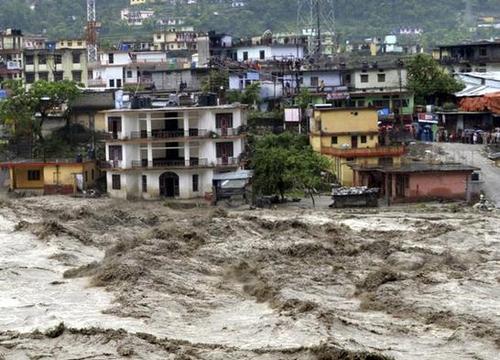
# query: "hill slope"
{"type": "Point", "coordinates": [443, 20]}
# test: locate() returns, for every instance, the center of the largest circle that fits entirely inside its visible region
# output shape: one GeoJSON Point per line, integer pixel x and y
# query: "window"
{"type": "Point", "coordinates": [381, 103]}
{"type": "Point", "coordinates": [76, 58]}
{"type": "Point", "coordinates": [118, 83]}
{"type": "Point", "coordinates": [111, 58]}
{"type": "Point", "coordinates": [245, 55]}
{"type": "Point", "coordinates": [314, 81]}
{"type": "Point", "coordinates": [70, 43]}
{"type": "Point", "coordinates": [363, 139]}
{"type": "Point", "coordinates": [58, 76]}
{"type": "Point", "coordinates": [116, 182]}
{"type": "Point", "coordinates": [381, 77]}
{"type": "Point", "coordinates": [224, 150]}
{"type": "Point", "coordinates": [43, 76]}
{"type": "Point", "coordinates": [144, 183]}
{"type": "Point", "coordinates": [401, 103]}
{"type": "Point", "coordinates": [57, 59]}
{"type": "Point", "coordinates": [29, 59]}
{"type": "Point", "coordinates": [364, 78]}
{"type": "Point", "coordinates": [115, 152]}
{"type": "Point", "coordinates": [335, 140]}
{"type": "Point", "coordinates": [42, 59]}
{"type": "Point", "coordinates": [386, 161]}
{"type": "Point", "coordinates": [111, 83]}
{"type": "Point", "coordinates": [483, 51]}
{"type": "Point", "coordinates": [34, 175]}
{"type": "Point", "coordinates": [30, 78]}
{"type": "Point", "coordinates": [224, 121]}
{"type": "Point", "coordinates": [86, 177]}
{"type": "Point", "coordinates": [129, 74]}
{"type": "Point", "coordinates": [79, 43]}
{"type": "Point", "coordinates": [361, 103]}
{"type": "Point", "coordinates": [77, 76]}
{"type": "Point", "coordinates": [262, 55]}
{"type": "Point", "coordinates": [347, 79]}
{"type": "Point", "coordinates": [196, 181]}
{"type": "Point", "coordinates": [93, 174]}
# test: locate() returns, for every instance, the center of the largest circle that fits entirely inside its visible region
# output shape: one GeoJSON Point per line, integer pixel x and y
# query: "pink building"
{"type": "Point", "coordinates": [416, 182]}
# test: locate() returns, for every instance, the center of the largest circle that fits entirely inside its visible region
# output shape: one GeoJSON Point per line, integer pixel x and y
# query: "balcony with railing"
{"type": "Point", "coordinates": [170, 164]}
{"type": "Point", "coordinates": [228, 162]}
{"type": "Point", "coordinates": [164, 134]}
{"type": "Point", "coordinates": [96, 83]}
{"type": "Point", "coordinates": [222, 132]}
{"type": "Point", "coordinates": [379, 151]}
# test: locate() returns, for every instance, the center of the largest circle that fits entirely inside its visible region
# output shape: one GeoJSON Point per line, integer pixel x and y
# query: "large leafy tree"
{"type": "Point", "coordinates": [429, 81]}
{"type": "Point", "coordinates": [287, 162]}
{"type": "Point", "coordinates": [25, 112]}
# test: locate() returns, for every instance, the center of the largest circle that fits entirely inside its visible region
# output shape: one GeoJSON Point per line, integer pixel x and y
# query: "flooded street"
{"type": "Point", "coordinates": [145, 281]}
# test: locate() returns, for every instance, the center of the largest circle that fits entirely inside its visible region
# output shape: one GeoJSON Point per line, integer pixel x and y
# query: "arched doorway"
{"type": "Point", "coordinates": [169, 185]}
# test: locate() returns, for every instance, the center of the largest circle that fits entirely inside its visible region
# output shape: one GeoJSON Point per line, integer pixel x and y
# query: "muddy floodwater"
{"type": "Point", "coordinates": [103, 279]}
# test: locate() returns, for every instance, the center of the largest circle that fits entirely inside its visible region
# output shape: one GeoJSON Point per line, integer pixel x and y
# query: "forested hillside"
{"type": "Point", "coordinates": [443, 21]}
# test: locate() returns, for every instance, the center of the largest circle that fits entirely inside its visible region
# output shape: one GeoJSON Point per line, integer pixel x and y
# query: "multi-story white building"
{"type": "Point", "coordinates": [172, 152]}
{"type": "Point", "coordinates": [116, 69]}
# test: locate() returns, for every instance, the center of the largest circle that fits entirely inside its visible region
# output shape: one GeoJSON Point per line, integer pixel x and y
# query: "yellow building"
{"type": "Point", "coordinates": [57, 177]}
{"type": "Point", "coordinates": [350, 137]}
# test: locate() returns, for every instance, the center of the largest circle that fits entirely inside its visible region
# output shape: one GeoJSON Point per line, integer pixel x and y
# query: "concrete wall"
{"type": "Point", "coordinates": [448, 185]}
{"type": "Point", "coordinates": [109, 73]}
{"type": "Point", "coordinates": [131, 184]}
{"type": "Point", "coordinates": [346, 121]}
{"type": "Point", "coordinates": [270, 52]}
{"type": "Point", "coordinates": [330, 78]}
{"type": "Point", "coordinates": [391, 79]}
{"type": "Point", "coordinates": [171, 80]}
{"type": "Point", "coordinates": [19, 179]}
{"type": "Point", "coordinates": [54, 175]}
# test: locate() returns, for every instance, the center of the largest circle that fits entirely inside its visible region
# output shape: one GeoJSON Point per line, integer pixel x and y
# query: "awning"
{"type": "Point", "coordinates": [236, 175]}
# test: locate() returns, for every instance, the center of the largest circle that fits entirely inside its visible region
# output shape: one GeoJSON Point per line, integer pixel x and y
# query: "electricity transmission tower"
{"type": "Point", "coordinates": [91, 31]}
{"type": "Point", "coordinates": [316, 19]}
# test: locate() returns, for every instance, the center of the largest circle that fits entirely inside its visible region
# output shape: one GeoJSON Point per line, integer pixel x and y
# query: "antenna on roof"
{"type": "Point", "coordinates": [91, 31]}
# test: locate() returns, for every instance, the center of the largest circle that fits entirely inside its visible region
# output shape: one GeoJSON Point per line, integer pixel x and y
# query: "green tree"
{"type": "Point", "coordinates": [25, 112]}
{"type": "Point", "coordinates": [48, 97]}
{"type": "Point", "coordinates": [251, 95]}
{"type": "Point", "coordinates": [304, 99]}
{"type": "Point", "coordinates": [429, 81]}
{"type": "Point", "coordinates": [215, 80]}
{"type": "Point", "coordinates": [16, 113]}
{"type": "Point", "coordinates": [287, 162]}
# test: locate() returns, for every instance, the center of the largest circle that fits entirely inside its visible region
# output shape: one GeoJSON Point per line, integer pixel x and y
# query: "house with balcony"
{"type": "Point", "coordinates": [116, 69]}
{"type": "Point", "coordinates": [350, 136]}
{"type": "Point", "coordinates": [382, 86]}
{"type": "Point", "coordinates": [11, 53]}
{"type": "Point", "coordinates": [480, 56]}
{"type": "Point", "coordinates": [66, 61]}
{"type": "Point", "coordinates": [172, 152]}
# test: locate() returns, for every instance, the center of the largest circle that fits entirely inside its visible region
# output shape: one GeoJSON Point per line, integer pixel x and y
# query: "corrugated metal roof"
{"type": "Point", "coordinates": [477, 90]}
{"type": "Point", "coordinates": [237, 175]}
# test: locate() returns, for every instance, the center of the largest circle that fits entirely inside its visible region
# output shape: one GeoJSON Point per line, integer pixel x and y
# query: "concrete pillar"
{"type": "Point", "coordinates": [149, 127]}
{"type": "Point", "coordinates": [187, 153]}
{"type": "Point", "coordinates": [186, 123]}
{"type": "Point", "coordinates": [150, 153]}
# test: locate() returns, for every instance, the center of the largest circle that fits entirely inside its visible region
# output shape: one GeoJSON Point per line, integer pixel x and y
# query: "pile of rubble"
{"type": "Point", "coordinates": [349, 191]}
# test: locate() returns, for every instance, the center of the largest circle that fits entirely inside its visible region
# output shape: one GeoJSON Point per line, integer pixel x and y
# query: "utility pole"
{"type": "Point", "coordinates": [91, 37]}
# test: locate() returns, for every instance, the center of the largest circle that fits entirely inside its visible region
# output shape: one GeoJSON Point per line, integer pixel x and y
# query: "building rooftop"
{"type": "Point", "coordinates": [416, 167]}
{"type": "Point", "coordinates": [177, 108]}
{"type": "Point", "coordinates": [40, 163]}
{"type": "Point", "coordinates": [473, 43]}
